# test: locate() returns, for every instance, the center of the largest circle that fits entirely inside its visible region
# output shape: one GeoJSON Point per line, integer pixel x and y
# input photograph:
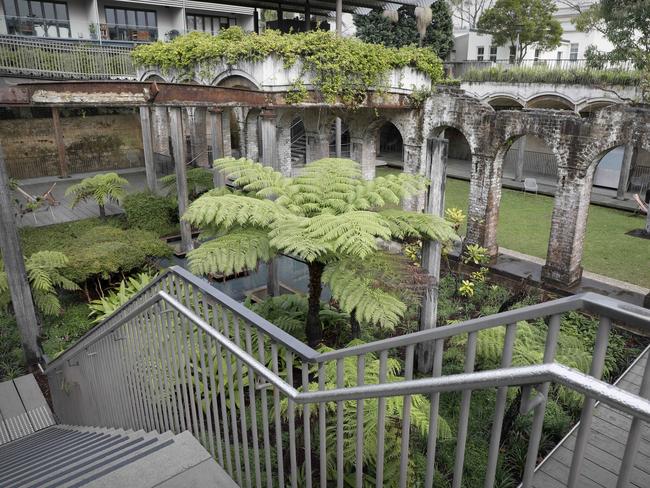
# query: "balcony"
{"type": "Point", "coordinates": [37, 57]}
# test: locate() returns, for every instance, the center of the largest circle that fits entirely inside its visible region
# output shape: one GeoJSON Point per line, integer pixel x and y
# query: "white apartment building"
{"type": "Point", "coordinates": [118, 20]}
{"type": "Point", "coordinates": [470, 45]}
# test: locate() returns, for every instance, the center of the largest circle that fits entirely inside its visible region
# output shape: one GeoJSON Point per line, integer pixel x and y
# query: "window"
{"type": "Point", "coordinates": [480, 53]}
{"type": "Point", "coordinates": [573, 54]}
{"type": "Point", "coordinates": [37, 18]}
{"type": "Point", "coordinates": [493, 53]}
{"type": "Point", "coordinates": [537, 54]}
{"type": "Point", "coordinates": [513, 54]}
{"type": "Point", "coordinates": [125, 24]}
{"type": "Point", "coordinates": [205, 23]}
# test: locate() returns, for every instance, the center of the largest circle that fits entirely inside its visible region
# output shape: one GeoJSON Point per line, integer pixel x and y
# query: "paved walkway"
{"type": "Point", "coordinates": [606, 445]}
{"type": "Point", "coordinates": [56, 214]}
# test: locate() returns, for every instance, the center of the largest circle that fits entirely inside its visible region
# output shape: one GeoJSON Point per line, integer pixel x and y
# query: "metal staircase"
{"type": "Point", "coordinates": [37, 453]}
{"type": "Point", "coordinates": [182, 356]}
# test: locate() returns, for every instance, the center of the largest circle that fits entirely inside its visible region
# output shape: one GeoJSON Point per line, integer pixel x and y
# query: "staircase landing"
{"type": "Point", "coordinates": [609, 430]}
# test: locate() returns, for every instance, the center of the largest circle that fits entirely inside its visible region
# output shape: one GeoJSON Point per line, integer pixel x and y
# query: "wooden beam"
{"type": "Point", "coordinates": [14, 264]}
{"type": "Point", "coordinates": [178, 146]}
{"type": "Point", "coordinates": [60, 144]}
{"type": "Point", "coordinates": [147, 147]}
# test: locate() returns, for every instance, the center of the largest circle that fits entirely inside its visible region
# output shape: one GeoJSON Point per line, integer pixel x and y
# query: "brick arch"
{"type": "Point", "coordinates": [236, 78]}
{"type": "Point", "coordinates": [153, 75]}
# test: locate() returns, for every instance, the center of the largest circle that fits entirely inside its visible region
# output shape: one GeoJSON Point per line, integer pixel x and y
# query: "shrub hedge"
{"type": "Point", "coordinates": [578, 76]}
{"type": "Point", "coordinates": [150, 212]}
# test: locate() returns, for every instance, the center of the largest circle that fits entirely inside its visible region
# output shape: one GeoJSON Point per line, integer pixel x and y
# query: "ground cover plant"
{"type": "Point", "coordinates": [344, 67]}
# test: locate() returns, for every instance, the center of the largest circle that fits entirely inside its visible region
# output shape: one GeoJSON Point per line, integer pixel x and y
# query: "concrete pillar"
{"type": "Point", "coordinates": [521, 156]}
{"type": "Point", "coordinates": [412, 155]}
{"type": "Point", "coordinates": [147, 147]}
{"type": "Point", "coordinates": [337, 136]}
{"type": "Point", "coordinates": [484, 201]}
{"type": "Point", "coordinates": [12, 255]}
{"type": "Point", "coordinates": [647, 223]}
{"type": "Point", "coordinates": [225, 132]}
{"type": "Point", "coordinates": [339, 17]}
{"type": "Point", "coordinates": [568, 226]}
{"type": "Point", "coordinates": [196, 117]}
{"type": "Point", "coordinates": [269, 139]}
{"type": "Point", "coordinates": [178, 146]}
{"type": "Point", "coordinates": [363, 152]}
{"type": "Point", "coordinates": [436, 162]}
{"type": "Point", "coordinates": [216, 141]}
{"type": "Point", "coordinates": [626, 165]}
{"type": "Point", "coordinates": [252, 137]}
{"type": "Point", "coordinates": [160, 130]}
{"type": "Point", "coordinates": [318, 146]}
{"type": "Point", "coordinates": [60, 145]}
{"type": "Point", "coordinates": [283, 137]}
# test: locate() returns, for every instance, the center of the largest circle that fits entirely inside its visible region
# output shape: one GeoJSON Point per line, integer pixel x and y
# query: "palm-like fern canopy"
{"type": "Point", "coordinates": [326, 214]}
{"type": "Point", "coordinates": [103, 188]}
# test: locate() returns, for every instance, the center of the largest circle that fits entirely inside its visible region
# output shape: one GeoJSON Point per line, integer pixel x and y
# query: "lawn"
{"type": "Point", "coordinates": [525, 222]}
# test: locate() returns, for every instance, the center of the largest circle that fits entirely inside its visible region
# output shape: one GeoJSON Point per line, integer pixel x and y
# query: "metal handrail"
{"type": "Point", "coordinates": [180, 356]}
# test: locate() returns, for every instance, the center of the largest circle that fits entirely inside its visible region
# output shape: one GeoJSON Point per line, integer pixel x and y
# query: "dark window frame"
{"type": "Point", "coordinates": [480, 53]}
{"type": "Point", "coordinates": [124, 31]}
{"type": "Point", "coordinates": [216, 22]}
{"type": "Point", "coordinates": [26, 25]}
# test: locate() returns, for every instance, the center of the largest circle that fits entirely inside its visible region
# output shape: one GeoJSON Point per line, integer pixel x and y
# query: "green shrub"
{"type": "Point", "coordinates": [61, 331]}
{"type": "Point", "coordinates": [106, 305]}
{"type": "Point", "coordinates": [96, 249]}
{"type": "Point", "coordinates": [12, 362]}
{"type": "Point", "coordinates": [147, 211]}
{"type": "Point", "coordinates": [577, 76]}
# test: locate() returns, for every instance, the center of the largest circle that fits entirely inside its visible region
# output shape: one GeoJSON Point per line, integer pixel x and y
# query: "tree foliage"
{"type": "Point", "coordinates": [326, 215]}
{"type": "Point", "coordinates": [375, 28]}
{"type": "Point", "coordinates": [199, 180]}
{"type": "Point", "coordinates": [522, 24]}
{"type": "Point", "coordinates": [104, 306]}
{"type": "Point", "coordinates": [45, 274]}
{"type": "Point", "coordinates": [626, 24]}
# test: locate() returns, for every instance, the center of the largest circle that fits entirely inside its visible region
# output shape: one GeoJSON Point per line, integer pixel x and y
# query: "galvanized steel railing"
{"type": "Point", "coordinates": [43, 58]}
{"type": "Point", "coordinates": [183, 356]}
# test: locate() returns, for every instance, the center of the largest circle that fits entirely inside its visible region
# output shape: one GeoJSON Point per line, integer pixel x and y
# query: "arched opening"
{"type": "Point", "coordinates": [505, 103]}
{"type": "Point", "coordinates": [345, 140]}
{"type": "Point", "coordinates": [530, 157]}
{"type": "Point", "coordinates": [238, 121]}
{"type": "Point", "coordinates": [152, 78]}
{"type": "Point", "coordinates": [587, 110]}
{"type": "Point", "coordinates": [607, 175]}
{"type": "Point", "coordinates": [237, 81]}
{"type": "Point", "coordinates": [459, 153]}
{"type": "Point", "coordinates": [389, 146]}
{"type": "Point", "coordinates": [553, 102]}
{"type": "Point", "coordinates": [298, 143]}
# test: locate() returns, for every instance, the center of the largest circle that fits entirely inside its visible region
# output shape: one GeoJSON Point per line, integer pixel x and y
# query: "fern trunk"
{"type": "Point", "coordinates": [354, 324]}
{"type": "Point", "coordinates": [102, 212]}
{"type": "Point", "coordinates": [313, 326]}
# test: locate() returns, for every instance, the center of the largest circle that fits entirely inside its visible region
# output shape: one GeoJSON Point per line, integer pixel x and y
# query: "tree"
{"type": "Point", "coordinates": [44, 271]}
{"type": "Point", "coordinates": [198, 181]}
{"type": "Point", "coordinates": [626, 24]}
{"type": "Point", "coordinates": [376, 28]}
{"type": "Point", "coordinates": [469, 11]}
{"type": "Point", "coordinates": [522, 24]}
{"type": "Point", "coordinates": [102, 188]}
{"type": "Point", "coordinates": [324, 216]}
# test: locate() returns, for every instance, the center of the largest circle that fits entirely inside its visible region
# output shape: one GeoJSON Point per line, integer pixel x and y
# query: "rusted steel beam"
{"type": "Point", "coordinates": [133, 94]}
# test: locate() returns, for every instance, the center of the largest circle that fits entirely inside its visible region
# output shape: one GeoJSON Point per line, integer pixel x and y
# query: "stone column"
{"type": "Point", "coordinates": [436, 159]}
{"type": "Point", "coordinates": [19, 290]}
{"type": "Point", "coordinates": [317, 146]}
{"type": "Point", "coordinates": [283, 136]}
{"type": "Point", "coordinates": [216, 141]}
{"type": "Point", "coordinates": [147, 147]}
{"type": "Point", "coordinates": [178, 146]}
{"type": "Point", "coordinates": [252, 138]}
{"type": "Point", "coordinates": [225, 131]}
{"type": "Point", "coordinates": [363, 152]}
{"type": "Point", "coordinates": [521, 156]}
{"type": "Point", "coordinates": [160, 130]}
{"type": "Point", "coordinates": [196, 117]}
{"type": "Point", "coordinates": [269, 139]}
{"type": "Point", "coordinates": [412, 162]}
{"type": "Point", "coordinates": [568, 226]}
{"type": "Point", "coordinates": [647, 223]}
{"type": "Point", "coordinates": [484, 201]}
{"type": "Point", "coordinates": [626, 166]}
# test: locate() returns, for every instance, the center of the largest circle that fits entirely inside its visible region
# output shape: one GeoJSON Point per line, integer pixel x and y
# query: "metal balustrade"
{"type": "Point", "coordinates": [55, 59]}
{"type": "Point", "coordinates": [183, 356]}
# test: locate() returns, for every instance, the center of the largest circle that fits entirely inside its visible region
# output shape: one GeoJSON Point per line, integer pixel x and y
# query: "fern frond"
{"type": "Point", "coordinates": [405, 224]}
{"type": "Point", "coordinates": [198, 181]}
{"type": "Point", "coordinates": [293, 236]}
{"type": "Point", "coordinates": [252, 177]}
{"type": "Point", "coordinates": [103, 188]}
{"type": "Point", "coordinates": [390, 189]}
{"type": "Point", "coordinates": [226, 211]}
{"type": "Point", "coordinates": [240, 249]}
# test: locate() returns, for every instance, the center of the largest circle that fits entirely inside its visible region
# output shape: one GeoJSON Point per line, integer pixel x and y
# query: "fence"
{"type": "Point", "coordinates": [274, 412]}
{"type": "Point", "coordinates": [38, 57]}
{"type": "Point", "coordinates": [535, 163]}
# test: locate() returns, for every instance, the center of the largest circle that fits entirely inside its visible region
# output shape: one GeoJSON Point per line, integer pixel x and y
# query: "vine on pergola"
{"type": "Point", "coordinates": [329, 217]}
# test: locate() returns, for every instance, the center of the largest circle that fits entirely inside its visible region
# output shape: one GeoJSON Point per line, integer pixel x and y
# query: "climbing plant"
{"type": "Point", "coordinates": [342, 68]}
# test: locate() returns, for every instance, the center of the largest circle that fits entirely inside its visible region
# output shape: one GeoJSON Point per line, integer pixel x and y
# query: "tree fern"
{"type": "Point", "coordinates": [198, 180]}
{"type": "Point", "coordinates": [103, 189]}
{"type": "Point", "coordinates": [326, 214]}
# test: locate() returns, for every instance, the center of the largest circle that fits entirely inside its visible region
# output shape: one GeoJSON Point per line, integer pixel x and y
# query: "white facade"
{"type": "Point", "coordinates": [470, 45]}
{"type": "Point", "coordinates": [118, 20]}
